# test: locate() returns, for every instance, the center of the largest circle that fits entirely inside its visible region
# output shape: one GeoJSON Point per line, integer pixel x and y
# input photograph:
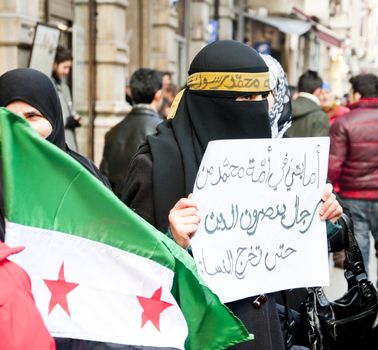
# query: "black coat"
{"type": "Point", "coordinates": [122, 142]}
{"type": "Point", "coordinates": [138, 194]}
{"type": "Point", "coordinates": [206, 111]}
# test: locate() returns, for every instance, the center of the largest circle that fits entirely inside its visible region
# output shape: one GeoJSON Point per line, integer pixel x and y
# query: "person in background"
{"type": "Point", "coordinates": [128, 97]}
{"type": "Point", "coordinates": [166, 80]}
{"type": "Point", "coordinates": [124, 139]}
{"type": "Point", "coordinates": [61, 69]}
{"type": "Point", "coordinates": [169, 91]}
{"type": "Point", "coordinates": [333, 110]}
{"type": "Point", "coordinates": [32, 95]}
{"type": "Point", "coordinates": [329, 104]}
{"type": "Point", "coordinates": [308, 116]}
{"type": "Point", "coordinates": [162, 174]}
{"type": "Point", "coordinates": [293, 92]}
{"type": "Point", "coordinates": [279, 98]}
{"type": "Point", "coordinates": [353, 159]}
{"type": "Point", "coordinates": [344, 100]}
{"type": "Point", "coordinates": [168, 97]}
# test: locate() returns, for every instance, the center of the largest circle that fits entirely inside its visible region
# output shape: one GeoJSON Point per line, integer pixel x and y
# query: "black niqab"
{"type": "Point", "coordinates": [177, 151]}
{"type": "Point", "coordinates": [204, 116]}
{"type": "Point", "coordinates": [216, 115]}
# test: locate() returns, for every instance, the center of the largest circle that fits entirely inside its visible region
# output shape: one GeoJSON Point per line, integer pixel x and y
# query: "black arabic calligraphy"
{"type": "Point", "coordinates": [248, 220]}
{"type": "Point", "coordinates": [261, 171]}
{"type": "Point", "coordinates": [237, 263]}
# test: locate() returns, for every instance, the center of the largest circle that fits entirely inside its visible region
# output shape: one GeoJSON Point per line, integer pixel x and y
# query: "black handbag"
{"type": "Point", "coordinates": [348, 322]}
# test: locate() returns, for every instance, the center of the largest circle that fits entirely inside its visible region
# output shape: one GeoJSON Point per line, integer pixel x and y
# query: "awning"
{"type": "Point", "coordinates": [283, 24]}
{"type": "Point", "coordinates": [328, 36]}
{"type": "Point", "coordinates": [325, 34]}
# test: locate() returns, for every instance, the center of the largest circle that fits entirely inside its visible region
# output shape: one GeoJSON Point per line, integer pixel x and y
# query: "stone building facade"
{"type": "Point", "coordinates": [112, 38]}
{"type": "Point", "coordinates": [340, 42]}
{"type": "Point", "coordinates": [128, 34]}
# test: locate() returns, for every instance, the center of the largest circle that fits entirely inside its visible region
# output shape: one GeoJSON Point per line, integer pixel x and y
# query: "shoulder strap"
{"type": "Point", "coordinates": [353, 256]}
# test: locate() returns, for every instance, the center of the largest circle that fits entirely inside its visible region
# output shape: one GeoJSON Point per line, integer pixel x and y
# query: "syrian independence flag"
{"type": "Point", "coordinates": [102, 277]}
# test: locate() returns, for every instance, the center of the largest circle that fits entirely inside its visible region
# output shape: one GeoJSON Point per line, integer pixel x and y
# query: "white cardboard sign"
{"type": "Point", "coordinates": [260, 227]}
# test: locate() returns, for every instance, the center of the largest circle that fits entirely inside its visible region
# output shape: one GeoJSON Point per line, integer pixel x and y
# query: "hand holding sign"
{"type": "Point", "coordinates": [331, 208]}
{"type": "Point", "coordinates": [183, 220]}
{"type": "Point", "coordinates": [275, 228]}
{"type": "Point", "coordinates": [183, 229]}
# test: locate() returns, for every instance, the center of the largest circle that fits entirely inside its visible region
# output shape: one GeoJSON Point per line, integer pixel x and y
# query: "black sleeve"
{"type": "Point", "coordinates": [72, 123]}
{"type": "Point", "coordinates": [97, 173]}
{"type": "Point", "coordinates": [104, 165]}
{"type": "Point", "coordinates": [137, 191]}
{"type": "Point", "coordinates": [90, 166]}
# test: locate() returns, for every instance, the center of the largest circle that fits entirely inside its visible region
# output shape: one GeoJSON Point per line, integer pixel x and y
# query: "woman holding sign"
{"type": "Point", "coordinates": [225, 98]}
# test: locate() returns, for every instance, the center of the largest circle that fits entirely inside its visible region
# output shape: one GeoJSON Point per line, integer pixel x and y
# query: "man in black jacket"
{"type": "Point", "coordinates": [124, 139]}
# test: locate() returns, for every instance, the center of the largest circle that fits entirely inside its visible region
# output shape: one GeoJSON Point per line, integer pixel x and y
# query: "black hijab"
{"type": "Point", "coordinates": [208, 111]}
{"type": "Point", "coordinates": [37, 89]}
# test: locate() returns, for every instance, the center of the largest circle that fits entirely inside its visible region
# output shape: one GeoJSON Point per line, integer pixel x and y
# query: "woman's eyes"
{"type": "Point", "coordinates": [33, 116]}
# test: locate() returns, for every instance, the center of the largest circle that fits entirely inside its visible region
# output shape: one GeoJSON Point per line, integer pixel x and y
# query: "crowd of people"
{"type": "Point", "coordinates": [150, 160]}
{"type": "Point", "coordinates": [353, 166]}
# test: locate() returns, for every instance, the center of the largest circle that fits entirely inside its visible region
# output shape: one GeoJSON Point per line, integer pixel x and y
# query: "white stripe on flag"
{"type": "Point", "coordinates": [103, 306]}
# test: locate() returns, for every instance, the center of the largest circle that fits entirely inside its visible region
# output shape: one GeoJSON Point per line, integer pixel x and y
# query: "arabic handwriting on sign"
{"type": "Point", "coordinates": [269, 265]}
{"type": "Point", "coordinates": [226, 267]}
{"type": "Point", "coordinates": [260, 171]}
{"type": "Point", "coordinates": [244, 259]}
{"type": "Point", "coordinates": [248, 220]}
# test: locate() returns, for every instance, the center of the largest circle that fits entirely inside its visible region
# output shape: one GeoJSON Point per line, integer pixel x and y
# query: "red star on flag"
{"type": "Point", "coordinates": [152, 308]}
{"type": "Point", "coordinates": [59, 290]}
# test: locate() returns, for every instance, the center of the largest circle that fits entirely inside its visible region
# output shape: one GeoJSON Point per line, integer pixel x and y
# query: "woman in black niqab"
{"type": "Point", "coordinates": [223, 99]}
{"type": "Point", "coordinates": [217, 103]}
{"type": "Point", "coordinates": [209, 109]}
{"type": "Point", "coordinates": [36, 89]}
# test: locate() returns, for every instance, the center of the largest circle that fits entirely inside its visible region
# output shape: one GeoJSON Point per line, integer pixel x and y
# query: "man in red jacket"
{"type": "Point", "coordinates": [21, 325]}
{"type": "Point", "coordinates": [353, 160]}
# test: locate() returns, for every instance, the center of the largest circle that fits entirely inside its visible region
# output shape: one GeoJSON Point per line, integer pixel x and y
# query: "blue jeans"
{"type": "Point", "coordinates": [365, 219]}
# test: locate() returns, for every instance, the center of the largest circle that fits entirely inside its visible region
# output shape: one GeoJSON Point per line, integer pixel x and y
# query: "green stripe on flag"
{"type": "Point", "coordinates": [44, 187]}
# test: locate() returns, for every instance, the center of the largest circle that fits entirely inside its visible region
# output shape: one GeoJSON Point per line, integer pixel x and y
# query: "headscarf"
{"type": "Point", "coordinates": [280, 114]}
{"type": "Point", "coordinates": [35, 88]}
{"type": "Point", "coordinates": [208, 110]}
{"type": "Point", "coordinates": [219, 73]}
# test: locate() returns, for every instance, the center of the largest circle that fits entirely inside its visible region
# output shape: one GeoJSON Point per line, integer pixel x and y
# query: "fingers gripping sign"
{"type": "Point", "coordinates": [330, 208]}
{"type": "Point", "coordinates": [183, 220]}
